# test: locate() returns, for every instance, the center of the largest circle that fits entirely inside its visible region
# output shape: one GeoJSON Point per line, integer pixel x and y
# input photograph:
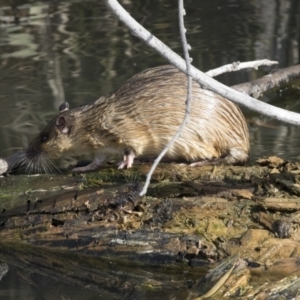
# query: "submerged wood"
{"type": "Point", "coordinates": [191, 220]}
{"type": "Point", "coordinates": [278, 78]}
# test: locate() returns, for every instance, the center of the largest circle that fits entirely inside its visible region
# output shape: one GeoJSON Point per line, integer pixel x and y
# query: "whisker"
{"type": "Point", "coordinates": [32, 162]}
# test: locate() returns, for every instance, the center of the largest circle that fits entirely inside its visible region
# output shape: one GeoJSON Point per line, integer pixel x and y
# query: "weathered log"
{"type": "Point", "coordinates": [275, 80]}
{"type": "Point", "coordinates": [192, 217]}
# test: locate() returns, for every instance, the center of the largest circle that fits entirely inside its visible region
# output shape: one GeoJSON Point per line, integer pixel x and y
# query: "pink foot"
{"type": "Point", "coordinates": [127, 160]}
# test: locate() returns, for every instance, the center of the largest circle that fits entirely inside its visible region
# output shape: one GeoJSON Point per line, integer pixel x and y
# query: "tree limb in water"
{"type": "Point", "coordinates": [276, 79]}
{"type": "Point", "coordinates": [206, 81]}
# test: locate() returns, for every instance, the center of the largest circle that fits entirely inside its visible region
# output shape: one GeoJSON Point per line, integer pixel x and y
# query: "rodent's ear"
{"type": "Point", "coordinates": [61, 124]}
{"type": "Point", "coordinates": [64, 107]}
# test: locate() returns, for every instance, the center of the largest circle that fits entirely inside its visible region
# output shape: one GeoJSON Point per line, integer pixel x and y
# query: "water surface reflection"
{"type": "Point", "coordinates": [75, 51]}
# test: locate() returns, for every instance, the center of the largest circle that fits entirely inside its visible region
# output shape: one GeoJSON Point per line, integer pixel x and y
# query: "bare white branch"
{"type": "Point", "coordinates": [236, 66]}
{"type": "Point", "coordinates": [200, 77]}
{"type": "Point", "coordinates": [186, 47]}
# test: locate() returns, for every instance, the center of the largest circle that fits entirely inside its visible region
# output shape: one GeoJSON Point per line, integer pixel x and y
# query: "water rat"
{"type": "Point", "coordinates": [138, 120]}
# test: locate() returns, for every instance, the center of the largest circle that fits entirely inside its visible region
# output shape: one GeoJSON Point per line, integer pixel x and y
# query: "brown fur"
{"type": "Point", "coordinates": [142, 116]}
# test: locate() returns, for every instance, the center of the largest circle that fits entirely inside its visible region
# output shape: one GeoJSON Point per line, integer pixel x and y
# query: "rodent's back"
{"type": "Point", "coordinates": [147, 110]}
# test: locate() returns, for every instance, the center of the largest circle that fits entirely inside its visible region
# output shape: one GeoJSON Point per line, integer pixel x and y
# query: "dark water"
{"type": "Point", "coordinates": [75, 51]}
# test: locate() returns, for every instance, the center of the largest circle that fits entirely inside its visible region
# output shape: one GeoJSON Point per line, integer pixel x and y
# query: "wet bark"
{"type": "Point", "coordinates": [191, 219]}
{"type": "Point", "coordinates": [276, 79]}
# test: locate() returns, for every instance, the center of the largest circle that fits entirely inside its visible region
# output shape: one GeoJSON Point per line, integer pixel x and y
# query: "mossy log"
{"type": "Point", "coordinates": [191, 219]}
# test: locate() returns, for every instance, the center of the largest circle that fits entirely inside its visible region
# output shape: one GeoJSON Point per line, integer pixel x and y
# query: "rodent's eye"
{"type": "Point", "coordinates": [44, 137]}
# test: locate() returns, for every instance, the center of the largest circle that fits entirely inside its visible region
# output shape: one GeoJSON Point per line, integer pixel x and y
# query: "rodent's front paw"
{"type": "Point", "coordinates": [91, 167]}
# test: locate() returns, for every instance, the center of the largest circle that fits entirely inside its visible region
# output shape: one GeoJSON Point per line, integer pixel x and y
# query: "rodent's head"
{"type": "Point", "coordinates": [53, 142]}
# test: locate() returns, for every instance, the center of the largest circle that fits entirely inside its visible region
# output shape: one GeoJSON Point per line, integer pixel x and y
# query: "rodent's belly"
{"type": "Point", "coordinates": [184, 149]}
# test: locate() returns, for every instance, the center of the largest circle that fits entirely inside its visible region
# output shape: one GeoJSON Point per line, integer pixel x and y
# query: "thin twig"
{"type": "Point", "coordinates": [185, 46]}
{"type": "Point", "coordinates": [236, 66]}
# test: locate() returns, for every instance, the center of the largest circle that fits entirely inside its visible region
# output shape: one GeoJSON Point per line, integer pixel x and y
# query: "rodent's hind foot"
{"type": "Point", "coordinates": [128, 159]}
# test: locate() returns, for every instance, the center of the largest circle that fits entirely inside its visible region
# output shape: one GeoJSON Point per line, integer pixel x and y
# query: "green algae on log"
{"type": "Point", "coordinates": [191, 219]}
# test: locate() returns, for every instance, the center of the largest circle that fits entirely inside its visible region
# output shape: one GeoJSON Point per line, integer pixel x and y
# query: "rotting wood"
{"type": "Point", "coordinates": [192, 217]}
